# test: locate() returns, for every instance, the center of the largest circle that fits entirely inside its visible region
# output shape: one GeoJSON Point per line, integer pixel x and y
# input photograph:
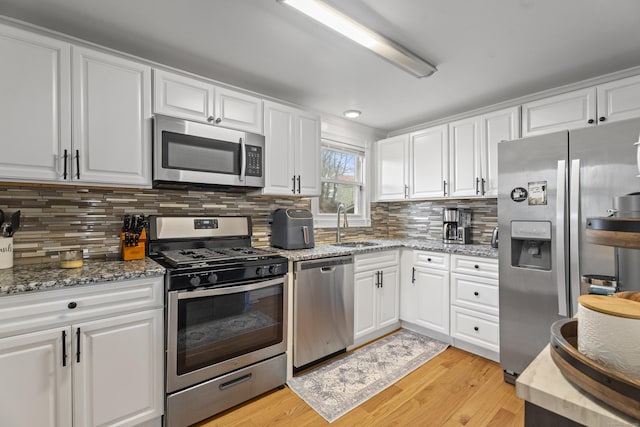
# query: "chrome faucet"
{"type": "Point", "coordinates": [342, 208]}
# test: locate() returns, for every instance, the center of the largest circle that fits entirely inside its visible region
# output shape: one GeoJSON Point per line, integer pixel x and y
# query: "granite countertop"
{"type": "Point", "coordinates": [329, 250]}
{"type": "Point", "coordinates": [543, 384]}
{"type": "Point", "coordinates": [39, 277]}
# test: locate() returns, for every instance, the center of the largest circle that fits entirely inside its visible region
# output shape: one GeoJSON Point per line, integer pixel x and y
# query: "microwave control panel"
{"type": "Point", "coordinates": [254, 161]}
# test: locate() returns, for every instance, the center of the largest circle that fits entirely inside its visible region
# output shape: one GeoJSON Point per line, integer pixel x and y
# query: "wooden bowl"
{"type": "Point", "coordinates": [609, 386]}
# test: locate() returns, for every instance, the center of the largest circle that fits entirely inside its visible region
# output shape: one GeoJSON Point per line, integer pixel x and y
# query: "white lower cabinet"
{"type": "Point", "coordinates": [376, 294]}
{"type": "Point", "coordinates": [474, 305]}
{"type": "Point", "coordinates": [89, 368]}
{"type": "Point", "coordinates": [425, 292]}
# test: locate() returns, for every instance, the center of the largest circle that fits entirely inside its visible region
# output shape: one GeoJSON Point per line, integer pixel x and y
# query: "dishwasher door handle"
{"type": "Point", "coordinates": [328, 269]}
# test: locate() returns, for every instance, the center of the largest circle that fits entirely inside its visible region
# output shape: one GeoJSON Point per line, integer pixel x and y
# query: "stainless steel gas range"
{"type": "Point", "coordinates": [226, 305]}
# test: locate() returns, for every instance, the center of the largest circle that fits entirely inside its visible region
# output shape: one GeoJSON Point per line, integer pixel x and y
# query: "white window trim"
{"type": "Point", "coordinates": [362, 220]}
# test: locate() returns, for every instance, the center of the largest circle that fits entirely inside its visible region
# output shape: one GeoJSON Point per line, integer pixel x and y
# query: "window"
{"type": "Point", "coordinates": [343, 181]}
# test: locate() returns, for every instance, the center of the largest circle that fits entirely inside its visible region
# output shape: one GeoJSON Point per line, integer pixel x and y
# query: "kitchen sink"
{"type": "Point", "coordinates": [361, 244]}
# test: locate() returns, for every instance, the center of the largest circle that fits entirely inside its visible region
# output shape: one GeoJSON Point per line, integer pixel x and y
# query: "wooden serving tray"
{"type": "Point", "coordinates": [611, 387]}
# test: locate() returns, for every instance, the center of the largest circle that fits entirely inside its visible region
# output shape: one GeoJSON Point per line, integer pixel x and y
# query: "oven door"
{"type": "Point", "coordinates": [214, 331]}
{"type": "Point", "coordinates": [197, 153]}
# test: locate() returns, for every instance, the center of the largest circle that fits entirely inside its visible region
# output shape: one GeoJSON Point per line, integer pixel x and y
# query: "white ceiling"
{"type": "Point", "coordinates": [486, 51]}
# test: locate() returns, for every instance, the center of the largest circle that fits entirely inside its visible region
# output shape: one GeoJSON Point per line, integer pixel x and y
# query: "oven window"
{"type": "Point", "coordinates": [187, 152]}
{"type": "Point", "coordinates": [216, 328]}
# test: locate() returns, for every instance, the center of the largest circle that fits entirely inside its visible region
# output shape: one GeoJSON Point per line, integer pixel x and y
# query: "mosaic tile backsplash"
{"type": "Point", "coordinates": [55, 218]}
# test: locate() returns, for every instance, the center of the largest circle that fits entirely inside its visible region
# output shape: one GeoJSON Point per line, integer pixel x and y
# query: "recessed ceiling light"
{"type": "Point", "coordinates": [352, 114]}
{"type": "Point", "coordinates": [380, 45]}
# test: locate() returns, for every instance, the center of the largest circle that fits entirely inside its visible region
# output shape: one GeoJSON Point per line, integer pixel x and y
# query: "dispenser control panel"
{"type": "Point", "coordinates": [539, 230]}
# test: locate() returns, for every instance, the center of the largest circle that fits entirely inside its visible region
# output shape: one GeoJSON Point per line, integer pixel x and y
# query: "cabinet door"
{"type": "Point", "coordinates": [619, 100]}
{"type": "Point", "coordinates": [431, 294]}
{"type": "Point", "coordinates": [562, 112]}
{"type": "Point", "coordinates": [36, 387]}
{"type": "Point", "coordinates": [279, 151]}
{"type": "Point", "coordinates": [35, 111]}
{"type": "Point", "coordinates": [118, 376]}
{"type": "Point", "coordinates": [307, 169]}
{"type": "Point", "coordinates": [464, 158]}
{"type": "Point", "coordinates": [503, 125]}
{"type": "Point", "coordinates": [365, 301]}
{"type": "Point", "coordinates": [111, 120]}
{"type": "Point", "coordinates": [429, 162]}
{"type": "Point", "coordinates": [389, 297]}
{"type": "Point", "coordinates": [238, 111]}
{"type": "Point", "coordinates": [182, 97]}
{"type": "Point", "coordinates": [391, 170]}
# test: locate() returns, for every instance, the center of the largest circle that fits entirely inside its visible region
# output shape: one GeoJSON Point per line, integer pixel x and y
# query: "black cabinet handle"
{"type": "Point", "coordinates": [78, 164]}
{"type": "Point", "coordinates": [477, 186]}
{"type": "Point", "coordinates": [429, 259]}
{"type": "Point", "coordinates": [298, 184]}
{"type": "Point", "coordinates": [413, 275]}
{"type": "Point", "coordinates": [475, 328]}
{"type": "Point", "coordinates": [64, 174]}
{"type": "Point", "coordinates": [72, 305]}
{"type": "Point", "coordinates": [590, 121]}
{"type": "Point", "coordinates": [381, 279]}
{"type": "Point", "coordinates": [602, 119]}
{"type": "Point", "coordinates": [64, 348]}
{"type": "Point", "coordinates": [293, 183]}
{"type": "Point", "coordinates": [78, 345]}
{"type": "Point", "coordinates": [444, 187]}
{"type": "Point", "coordinates": [476, 293]}
{"type": "Point", "coordinates": [476, 266]}
{"type": "Point", "coordinates": [482, 181]}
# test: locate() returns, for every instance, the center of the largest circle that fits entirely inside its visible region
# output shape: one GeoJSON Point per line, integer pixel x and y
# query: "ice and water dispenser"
{"type": "Point", "coordinates": [531, 244]}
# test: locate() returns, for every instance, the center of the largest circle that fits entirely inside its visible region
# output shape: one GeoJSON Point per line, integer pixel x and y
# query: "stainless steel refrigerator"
{"type": "Point", "coordinates": [548, 186]}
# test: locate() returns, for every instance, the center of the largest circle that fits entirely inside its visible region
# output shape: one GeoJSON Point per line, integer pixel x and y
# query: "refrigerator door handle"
{"type": "Point", "coordinates": [561, 276]}
{"type": "Point", "coordinates": [574, 224]}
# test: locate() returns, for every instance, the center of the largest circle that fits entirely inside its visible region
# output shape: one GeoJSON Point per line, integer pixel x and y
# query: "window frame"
{"type": "Point", "coordinates": [363, 219]}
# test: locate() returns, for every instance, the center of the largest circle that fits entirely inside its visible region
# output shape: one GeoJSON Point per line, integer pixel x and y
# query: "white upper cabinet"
{"type": "Point", "coordinates": [184, 97]}
{"type": "Point", "coordinates": [428, 162]}
{"type": "Point", "coordinates": [35, 105]}
{"type": "Point", "coordinates": [292, 151]}
{"type": "Point", "coordinates": [502, 125]}
{"type": "Point", "coordinates": [619, 100]}
{"type": "Point", "coordinates": [464, 158]}
{"type": "Point", "coordinates": [111, 120]}
{"type": "Point", "coordinates": [194, 99]}
{"type": "Point", "coordinates": [562, 112]}
{"type": "Point", "coordinates": [391, 168]}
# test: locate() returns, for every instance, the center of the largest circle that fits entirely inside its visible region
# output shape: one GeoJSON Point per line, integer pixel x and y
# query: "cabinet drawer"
{"type": "Point", "coordinates": [476, 266]}
{"type": "Point", "coordinates": [31, 311]}
{"type": "Point", "coordinates": [476, 293]}
{"type": "Point", "coordinates": [375, 260]}
{"type": "Point", "coordinates": [437, 260]}
{"type": "Point", "coordinates": [476, 328]}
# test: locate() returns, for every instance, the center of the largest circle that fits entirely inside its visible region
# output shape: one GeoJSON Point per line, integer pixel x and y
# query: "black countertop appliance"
{"type": "Point", "coordinates": [292, 229]}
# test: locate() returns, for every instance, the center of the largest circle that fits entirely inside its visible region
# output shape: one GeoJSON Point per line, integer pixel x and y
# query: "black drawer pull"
{"type": "Point", "coordinates": [476, 293]}
{"type": "Point", "coordinates": [429, 259]}
{"type": "Point", "coordinates": [475, 328]}
{"type": "Point", "coordinates": [78, 345]}
{"type": "Point", "coordinates": [236, 381]}
{"type": "Point", "coordinates": [72, 305]}
{"type": "Point", "coordinates": [64, 348]}
{"type": "Point", "coordinates": [476, 266]}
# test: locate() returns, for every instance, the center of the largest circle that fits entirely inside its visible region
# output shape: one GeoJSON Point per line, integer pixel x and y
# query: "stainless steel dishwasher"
{"type": "Point", "coordinates": [322, 309]}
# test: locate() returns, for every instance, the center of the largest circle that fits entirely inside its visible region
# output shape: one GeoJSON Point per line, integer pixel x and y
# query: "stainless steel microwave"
{"type": "Point", "coordinates": [197, 155]}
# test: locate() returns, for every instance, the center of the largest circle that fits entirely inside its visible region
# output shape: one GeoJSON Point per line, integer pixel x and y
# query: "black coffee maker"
{"type": "Point", "coordinates": [456, 226]}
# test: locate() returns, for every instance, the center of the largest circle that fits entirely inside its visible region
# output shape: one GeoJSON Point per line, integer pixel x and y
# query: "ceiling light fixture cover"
{"type": "Point", "coordinates": [380, 45]}
{"type": "Point", "coordinates": [352, 114]}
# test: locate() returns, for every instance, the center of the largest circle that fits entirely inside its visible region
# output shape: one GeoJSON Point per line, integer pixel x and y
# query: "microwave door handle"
{"type": "Point", "coordinates": [243, 160]}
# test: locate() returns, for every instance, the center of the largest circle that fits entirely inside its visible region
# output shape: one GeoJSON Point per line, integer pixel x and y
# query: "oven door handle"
{"type": "Point", "coordinates": [223, 290]}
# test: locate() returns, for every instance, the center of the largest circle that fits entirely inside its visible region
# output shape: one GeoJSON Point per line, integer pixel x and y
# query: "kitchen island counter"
{"type": "Point", "coordinates": [325, 250]}
{"type": "Point", "coordinates": [40, 277]}
{"type": "Point", "coordinates": [543, 385]}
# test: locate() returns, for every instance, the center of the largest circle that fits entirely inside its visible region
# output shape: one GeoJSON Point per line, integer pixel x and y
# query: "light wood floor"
{"type": "Point", "coordinates": [455, 388]}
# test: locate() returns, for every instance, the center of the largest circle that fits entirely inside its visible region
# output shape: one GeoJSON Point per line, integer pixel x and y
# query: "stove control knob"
{"type": "Point", "coordinates": [194, 281]}
{"type": "Point", "coordinates": [274, 269]}
{"type": "Point", "coordinates": [262, 271]}
{"type": "Point", "coordinates": [212, 278]}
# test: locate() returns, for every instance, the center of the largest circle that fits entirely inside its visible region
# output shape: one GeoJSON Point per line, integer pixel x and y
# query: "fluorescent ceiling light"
{"type": "Point", "coordinates": [360, 34]}
{"type": "Point", "coordinates": [352, 114]}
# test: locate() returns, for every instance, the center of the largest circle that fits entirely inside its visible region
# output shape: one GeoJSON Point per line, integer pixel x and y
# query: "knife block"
{"type": "Point", "coordinates": [128, 253]}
